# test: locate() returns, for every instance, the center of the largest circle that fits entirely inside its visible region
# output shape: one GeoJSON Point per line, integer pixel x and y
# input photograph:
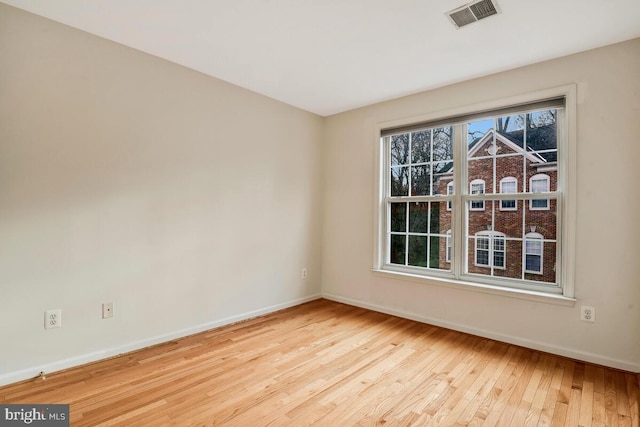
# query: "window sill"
{"type": "Point", "coordinates": [543, 297]}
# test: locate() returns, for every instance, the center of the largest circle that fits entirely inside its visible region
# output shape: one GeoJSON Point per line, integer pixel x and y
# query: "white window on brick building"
{"type": "Point", "coordinates": [508, 185]}
{"type": "Point", "coordinates": [490, 249]}
{"type": "Point", "coordinates": [533, 252]}
{"type": "Point", "coordinates": [477, 187]}
{"type": "Point", "coordinates": [539, 183]}
{"type": "Point", "coordinates": [448, 247]}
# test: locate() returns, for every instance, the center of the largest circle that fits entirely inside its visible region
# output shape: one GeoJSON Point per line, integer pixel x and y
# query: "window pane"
{"type": "Point", "coordinates": [508, 204]}
{"type": "Point", "coordinates": [482, 243]}
{"type": "Point", "coordinates": [434, 252]}
{"type": "Point", "coordinates": [477, 130]}
{"type": "Point", "coordinates": [512, 129]}
{"type": "Point", "coordinates": [477, 205]}
{"type": "Point", "coordinates": [421, 146]}
{"type": "Point", "coordinates": [418, 251]}
{"type": "Point", "coordinates": [539, 204]}
{"type": "Point", "coordinates": [400, 149]}
{"type": "Point", "coordinates": [540, 255]}
{"type": "Point", "coordinates": [477, 188]}
{"type": "Point", "coordinates": [397, 249]}
{"type": "Point", "coordinates": [534, 263]}
{"type": "Point", "coordinates": [508, 222]}
{"type": "Point", "coordinates": [542, 135]}
{"type": "Point", "coordinates": [480, 164]}
{"type": "Point", "coordinates": [482, 257]}
{"type": "Point", "coordinates": [436, 215]}
{"type": "Point", "coordinates": [508, 187]}
{"type": "Point", "coordinates": [498, 252]}
{"type": "Point", "coordinates": [442, 175]}
{"type": "Point", "coordinates": [534, 246]}
{"type": "Point", "coordinates": [418, 217]}
{"type": "Point", "coordinates": [399, 181]}
{"type": "Point", "coordinates": [539, 185]}
{"type": "Point", "coordinates": [399, 217]}
{"type": "Point", "coordinates": [420, 180]}
{"type": "Point", "coordinates": [442, 144]}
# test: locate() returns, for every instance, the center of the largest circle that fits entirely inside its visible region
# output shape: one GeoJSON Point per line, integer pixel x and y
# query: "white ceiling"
{"type": "Point", "coordinates": [329, 56]}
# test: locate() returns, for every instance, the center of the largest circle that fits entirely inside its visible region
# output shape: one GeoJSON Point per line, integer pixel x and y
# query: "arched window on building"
{"type": "Point", "coordinates": [508, 185]}
{"type": "Point", "coordinates": [539, 184]}
{"type": "Point", "coordinates": [477, 187]}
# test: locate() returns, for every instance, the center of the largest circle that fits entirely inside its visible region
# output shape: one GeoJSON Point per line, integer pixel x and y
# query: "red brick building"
{"type": "Point", "coordinates": [506, 237]}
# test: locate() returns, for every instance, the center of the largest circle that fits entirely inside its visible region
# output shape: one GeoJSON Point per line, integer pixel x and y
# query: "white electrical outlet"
{"type": "Point", "coordinates": [587, 313]}
{"type": "Point", "coordinates": [107, 310]}
{"type": "Point", "coordinates": [53, 319]}
{"type": "Point", "coordinates": [304, 273]}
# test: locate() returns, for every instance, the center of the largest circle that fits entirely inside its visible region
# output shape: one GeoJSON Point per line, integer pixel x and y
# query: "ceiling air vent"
{"type": "Point", "coordinates": [473, 12]}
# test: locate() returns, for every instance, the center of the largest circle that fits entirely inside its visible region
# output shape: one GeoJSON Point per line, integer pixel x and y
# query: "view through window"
{"type": "Point", "coordinates": [501, 225]}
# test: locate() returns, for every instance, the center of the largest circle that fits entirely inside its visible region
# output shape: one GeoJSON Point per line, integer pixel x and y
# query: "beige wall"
{"type": "Point", "coordinates": [186, 201]}
{"type": "Point", "coordinates": [190, 203]}
{"type": "Point", "coordinates": [607, 224]}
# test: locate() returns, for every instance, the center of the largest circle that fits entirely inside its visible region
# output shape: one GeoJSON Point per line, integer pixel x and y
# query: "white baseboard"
{"type": "Point", "coordinates": [59, 365]}
{"type": "Point", "coordinates": [535, 345]}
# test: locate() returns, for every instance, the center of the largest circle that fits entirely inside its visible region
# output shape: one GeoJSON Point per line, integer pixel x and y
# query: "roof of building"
{"type": "Point", "coordinates": [538, 139]}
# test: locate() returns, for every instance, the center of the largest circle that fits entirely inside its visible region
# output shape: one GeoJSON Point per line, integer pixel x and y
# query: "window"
{"type": "Point", "coordinates": [490, 249]}
{"type": "Point", "coordinates": [508, 185]}
{"type": "Point", "coordinates": [452, 205]}
{"type": "Point", "coordinates": [420, 164]}
{"type": "Point", "coordinates": [477, 187]}
{"type": "Point", "coordinates": [449, 193]}
{"type": "Point", "coordinates": [533, 252]}
{"type": "Point", "coordinates": [539, 184]}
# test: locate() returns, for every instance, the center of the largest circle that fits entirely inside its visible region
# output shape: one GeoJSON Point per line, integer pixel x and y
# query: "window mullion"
{"type": "Point", "coordinates": [459, 222]}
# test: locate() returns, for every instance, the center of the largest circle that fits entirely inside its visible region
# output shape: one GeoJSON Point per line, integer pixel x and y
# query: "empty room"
{"type": "Point", "coordinates": [289, 213]}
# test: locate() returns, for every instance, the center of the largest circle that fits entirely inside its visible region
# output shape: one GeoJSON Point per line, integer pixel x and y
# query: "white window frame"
{"type": "Point", "coordinates": [565, 194]}
{"type": "Point", "coordinates": [509, 180]}
{"type": "Point", "coordinates": [539, 177]}
{"type": "Point", "coordinates": [477, 205]}
{"type": "Point", "coordinates": [538, 238]}
{"type": "Point", "coordinates": [447, 248]}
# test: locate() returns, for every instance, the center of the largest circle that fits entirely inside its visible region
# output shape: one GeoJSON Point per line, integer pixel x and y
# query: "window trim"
{"type": "Point", "coordinates": [567, 194]}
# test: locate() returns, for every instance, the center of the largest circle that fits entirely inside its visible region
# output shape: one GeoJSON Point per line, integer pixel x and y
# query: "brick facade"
{"type": "Point", "coordinates": [521, 166]}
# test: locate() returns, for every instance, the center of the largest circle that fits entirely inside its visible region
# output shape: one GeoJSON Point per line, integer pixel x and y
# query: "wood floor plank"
{"type": "Point", "coordinates": [325, 363]}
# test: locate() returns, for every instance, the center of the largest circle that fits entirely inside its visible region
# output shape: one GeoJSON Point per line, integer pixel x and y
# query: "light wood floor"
{"type": "Point", "coordinates": [330, 364]}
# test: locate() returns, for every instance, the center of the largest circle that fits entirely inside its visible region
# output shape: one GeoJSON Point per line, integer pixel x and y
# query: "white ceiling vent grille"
{"type": "Point", "coordinates": [473, 12]}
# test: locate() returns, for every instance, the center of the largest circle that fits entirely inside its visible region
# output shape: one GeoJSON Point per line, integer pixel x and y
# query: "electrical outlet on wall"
{"type": "Point", "coordinates": [53, 319]}
{"type": "Point", "coordinates": [107, 310]}
{"type": "Point", "coordinates": [587, 313]}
